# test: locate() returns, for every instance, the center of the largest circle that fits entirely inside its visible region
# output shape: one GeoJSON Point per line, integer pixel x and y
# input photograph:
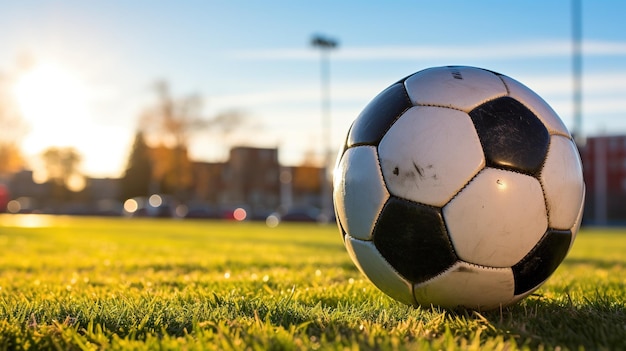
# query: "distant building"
{"type": "Point", "coordinates": [32, 195]}
{"type": "Point", "coordinates": [604, 169]}
{"type": "Point", "coordinates": [102, 189]}
{"type": "Point", "coordinates": [252, 179]}
{"type": "Point", "coordinates": [303, 184]}
{"type": "Point", "coordinates": [209, 181]}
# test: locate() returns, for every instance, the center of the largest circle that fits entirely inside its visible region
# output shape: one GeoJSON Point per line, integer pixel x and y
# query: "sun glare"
{"type": "Point", "coordinates": [50, 94]}
{"type": "Point", "coordinates": [55, 103]}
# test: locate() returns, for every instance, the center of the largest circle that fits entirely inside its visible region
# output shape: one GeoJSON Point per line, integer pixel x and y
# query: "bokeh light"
{"type": "Point", "coordinates": [131, 205]}
{"type": "Point", "coordinates": [240, 214]}
{"type": "Point", "coordinates": [155, 200]}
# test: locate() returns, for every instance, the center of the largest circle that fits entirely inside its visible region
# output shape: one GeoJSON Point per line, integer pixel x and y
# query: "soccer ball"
{"type": "Point", "coordinates": [458, 187]}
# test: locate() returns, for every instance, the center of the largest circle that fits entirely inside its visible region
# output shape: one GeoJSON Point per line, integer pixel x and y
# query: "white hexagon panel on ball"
{"type": "Point", "coordinates": [579, 219]}
{"type": "Point", "coordinates": [429, 154]}
{"type": "Point", "coordinates": [359, 191]}
{"type": "Point", "coordinates": [497, 218]}
{"type": "Point", "coordinates": [469, 286]}
{"type": "Point", "coordinates": [562, 179]}
{"type": "Point", "coordinates": [457, 87]}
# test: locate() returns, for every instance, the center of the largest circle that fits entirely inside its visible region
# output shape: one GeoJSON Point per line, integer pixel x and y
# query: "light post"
{"type": "Point", "coordinates": [325, 45]}
{"type": "Point", "coordinates": [577, 68]}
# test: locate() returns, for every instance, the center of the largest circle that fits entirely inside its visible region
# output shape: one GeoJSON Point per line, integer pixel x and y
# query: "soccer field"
{"type": "Point", "coordinates": [91, 283]}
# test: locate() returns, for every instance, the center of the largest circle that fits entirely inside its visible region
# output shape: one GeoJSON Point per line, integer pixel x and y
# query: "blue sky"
{"type": "Point", "coordinates": [255, 57]}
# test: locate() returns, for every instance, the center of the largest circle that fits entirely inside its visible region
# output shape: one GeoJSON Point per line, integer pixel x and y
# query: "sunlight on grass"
{"type": "Point", "coordinates": [28, 220]}
{"type": "Point", "coordinates": [93, 283]}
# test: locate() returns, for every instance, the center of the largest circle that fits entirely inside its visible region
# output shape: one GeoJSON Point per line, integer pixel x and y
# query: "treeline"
{"type": "Point", "coordinates": [158, 162]}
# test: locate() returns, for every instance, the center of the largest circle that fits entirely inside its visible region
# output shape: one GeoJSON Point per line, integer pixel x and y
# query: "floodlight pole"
{"type": "Point", "coordinates": [325, 45]}
{"type": "Point", "coordinates": [577, 68]}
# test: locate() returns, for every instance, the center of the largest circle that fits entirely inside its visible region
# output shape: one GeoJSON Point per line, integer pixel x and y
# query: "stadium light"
{"type": "Point", "coordinates": [577, 68]}
{"type": "Point", "coordinates": [325, 45]}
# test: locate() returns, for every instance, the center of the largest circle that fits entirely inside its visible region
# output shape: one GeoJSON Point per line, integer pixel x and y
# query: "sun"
{"type": "Point", "coordinates": [50, 95]}
{"type": "Point", "coordinates": [54, 103]}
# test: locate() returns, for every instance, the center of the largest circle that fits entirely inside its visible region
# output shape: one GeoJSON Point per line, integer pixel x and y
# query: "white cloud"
{"type": "Point", "coordinates": [494, 51]}
{"type": "Point", "coordinates": [290, 118]}
{"type": "Point", "coordinates": [357, 91]}
{"type": "Point", "coordinates": [595, 85]}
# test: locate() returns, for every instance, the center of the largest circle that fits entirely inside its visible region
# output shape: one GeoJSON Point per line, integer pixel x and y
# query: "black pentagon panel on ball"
{"type": "Point", "coordinates": [542, 260]}
{"type": "Point", "coordinates": [511, 135]}
{"type": "Point", "coordinates": [378, 116]}
{"type": "Point", "coordinates": [413, 239]}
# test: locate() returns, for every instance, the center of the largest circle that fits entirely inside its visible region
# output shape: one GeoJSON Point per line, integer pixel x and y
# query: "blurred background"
{"type": "Point", "coordinates": [235, 109]}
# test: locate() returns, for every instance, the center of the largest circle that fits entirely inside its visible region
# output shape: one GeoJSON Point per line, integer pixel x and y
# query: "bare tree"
{"type": "Point", "coordinates": [171, 122]}
{"type": "Point", "coordinates": [62, 167]}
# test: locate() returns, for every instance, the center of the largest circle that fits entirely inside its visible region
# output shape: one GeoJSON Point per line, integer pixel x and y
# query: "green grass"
{"type": "Point", "coordinates": [89, 284]}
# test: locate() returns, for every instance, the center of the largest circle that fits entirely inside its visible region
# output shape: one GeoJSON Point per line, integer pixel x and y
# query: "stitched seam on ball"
{"type": "Point", "coordinates": [449, 269]}
{"type": "Point", "coordinates": [441, 106]}
{"type": "Point", "coordinates": [408, 97]}
{"type": "Point", "coordinates": [438, 209]}
{"type": "Point", "coordinates": [508, 91]}
{"type": "Point", "coordinates": [383, 259]}
{"type": "Point", "coordinates": [406, 94]}
{"type": "Point", "coordinates": [382, 176]}
{"type": "Point", "coordinates": [538, 177]}
{"type": "Point", "coordinates": [534, 249]}
{"type": "Point", "coordinates": [465, 185]}
{"type": "Point", "coordinates": [555, 132]}
{"type": "Point", "coordinates": [375, 144]}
